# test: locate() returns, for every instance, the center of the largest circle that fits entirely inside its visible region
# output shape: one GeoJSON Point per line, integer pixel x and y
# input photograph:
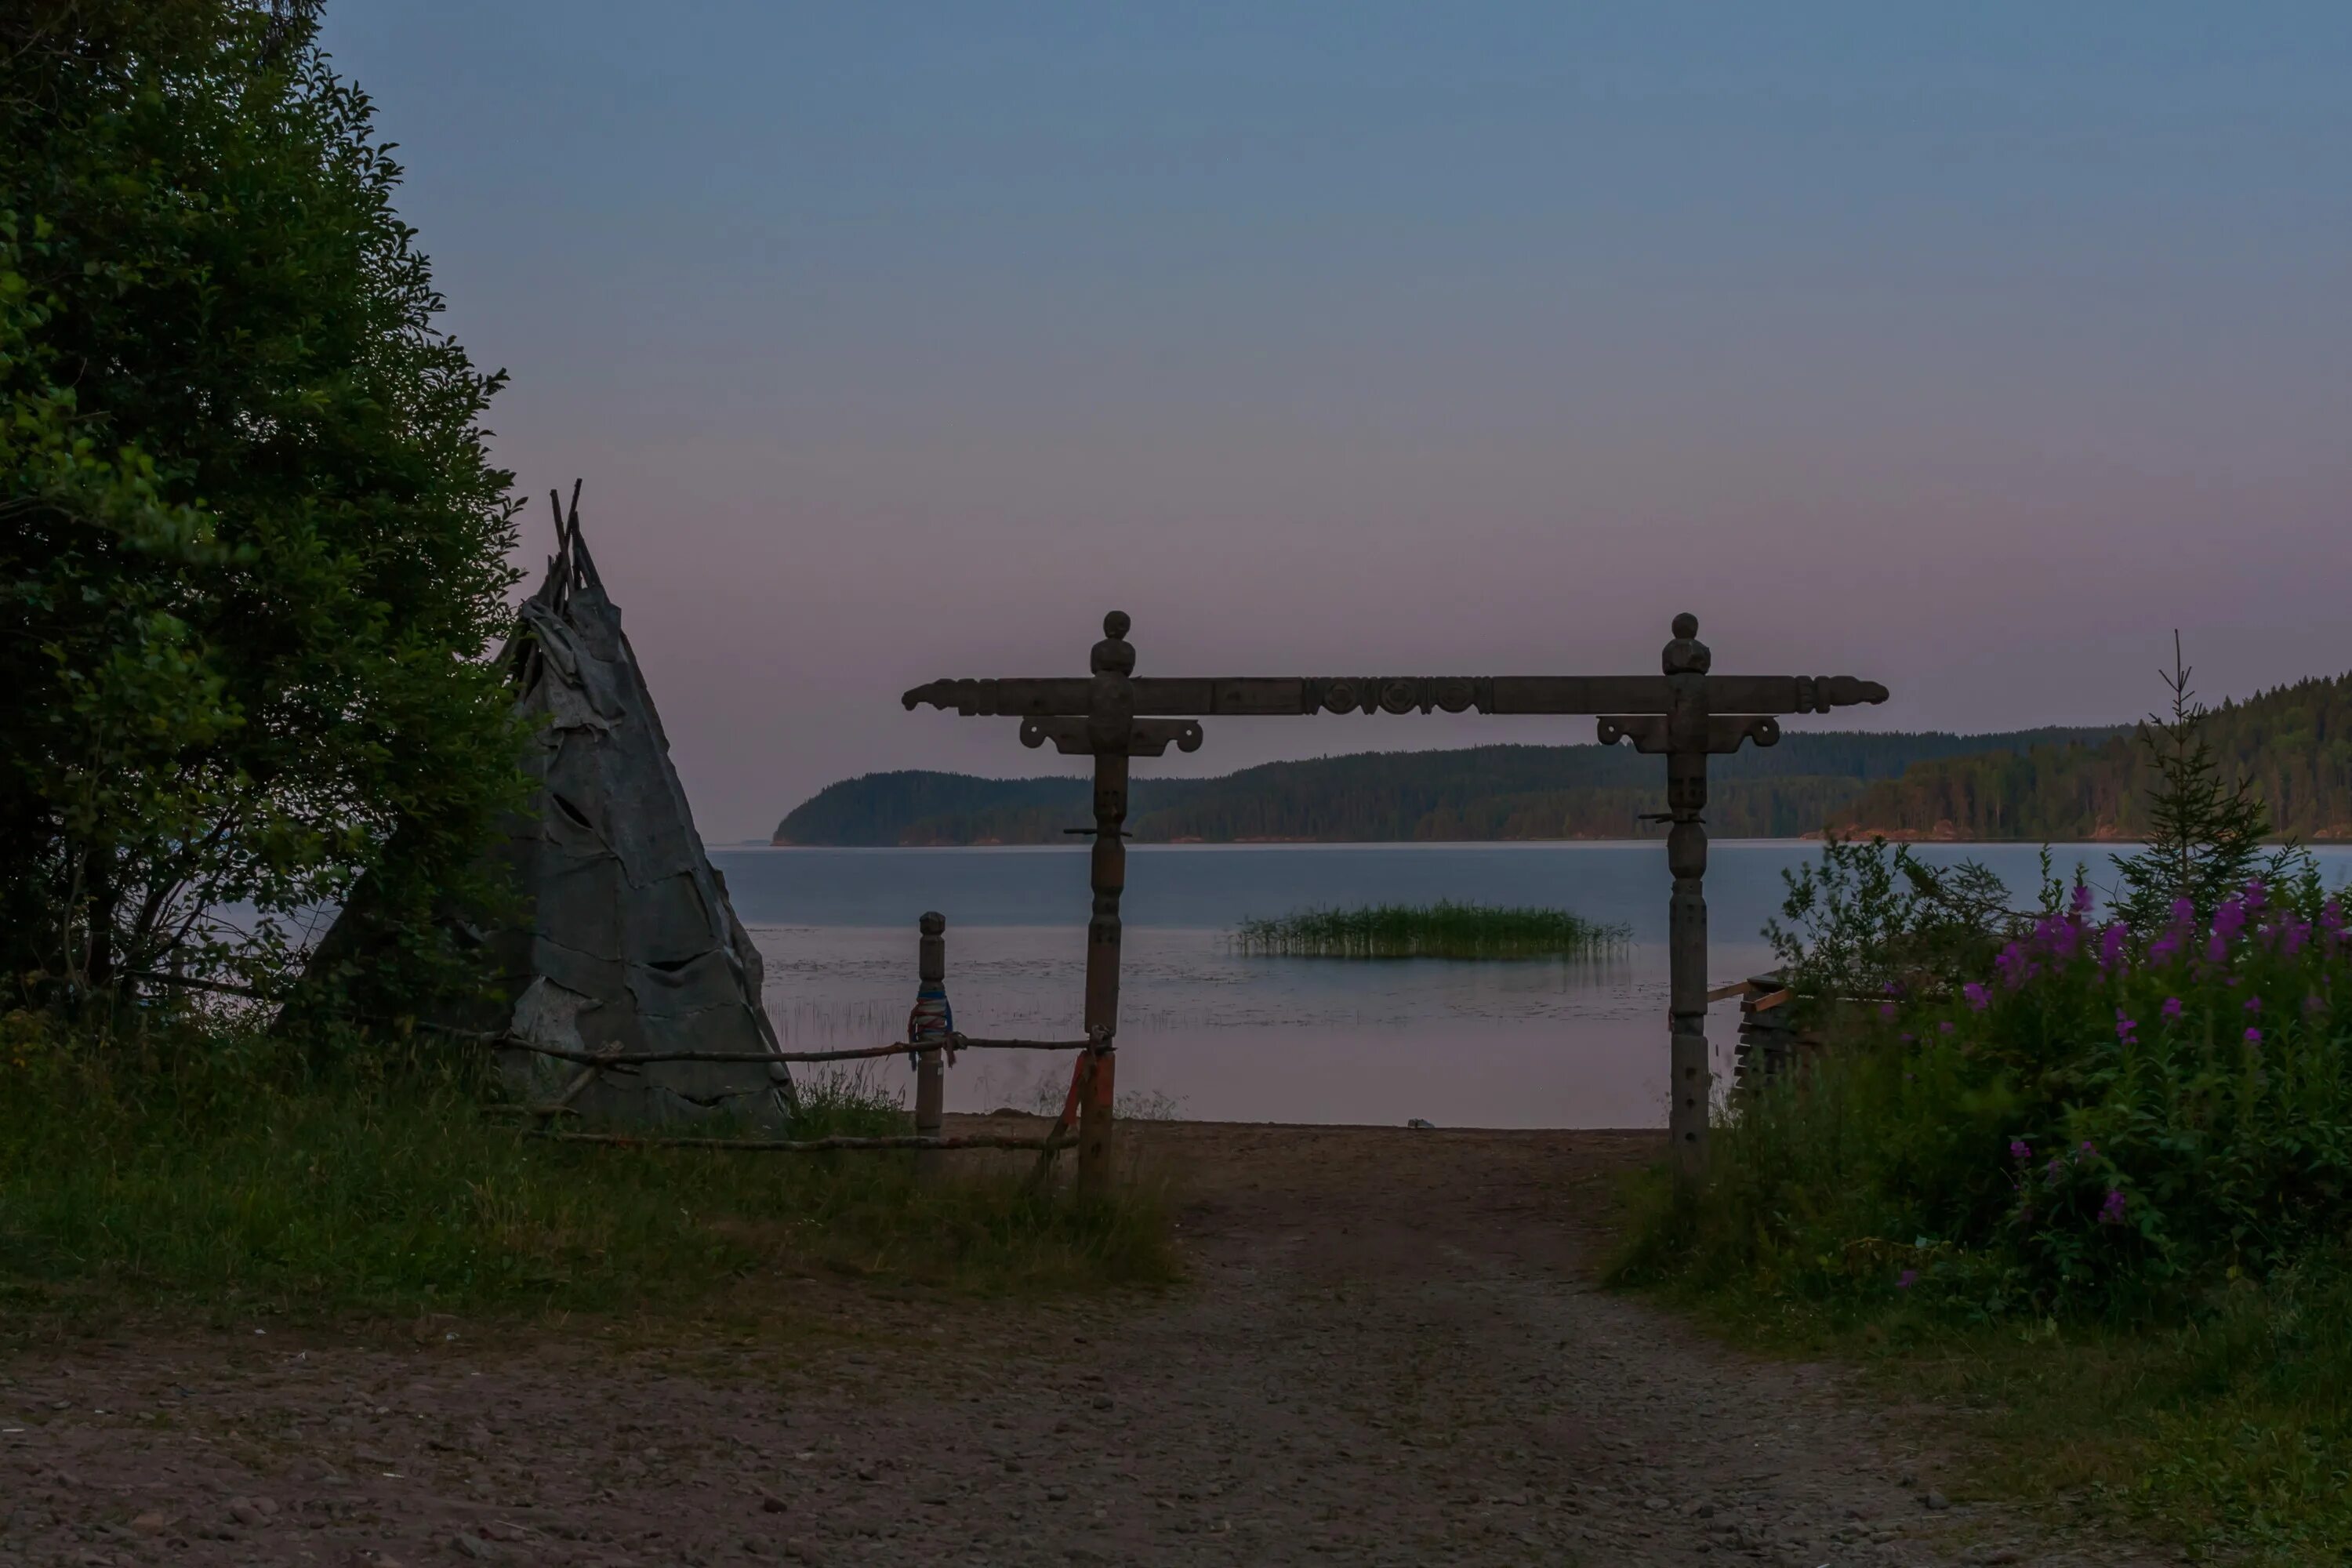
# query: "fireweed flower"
{"type": "Point", "coordinates": [2163, 950]}
{"type": "Point", "coordinates": [2292, 935]}
{"type": "Point", "coordinates": [2229, 920]}
{"type": "Point", "coordinates": [2081, 898]}
{"type": "Point", "coordinates": [2123, 1027]}
{"type": "Point", "coordinates": [1947, 1026]}
{"type": "Point", "coordinates": [2217, 951]}
{"type": "Point", "coordinates": [2253, 1004]}
{"type": "Point", "coordinates": [1978, 996]}
{"type": "Point", "coordinates": [2253, 1036]}
{"type": "Point", "coordinates": [2256, 893]}
{"type": "Point", "coordinates": [1908, 1277]}
{"type": "Point", "coordinates": [2087, 1150]}
{"type": "Point", "coordinates": [2020, 1150]}
{"type": "Point", "coordinates": [1887, 1010]}
{"type": "Point", "coordinates": [2171, 1008]}
{"type": "Point", "coordinates": [2111, 946]}
{"type": "Point", "coordinates": [2112, 1211]}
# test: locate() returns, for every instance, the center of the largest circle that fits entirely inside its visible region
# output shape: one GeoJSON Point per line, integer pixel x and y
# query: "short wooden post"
{"type": "Point", "coordinates": [932, 1020]}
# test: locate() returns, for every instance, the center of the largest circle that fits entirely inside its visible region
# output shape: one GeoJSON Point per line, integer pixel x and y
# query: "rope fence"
{"type": "Point", "coordinates": [1099, 1041]}
{"type": "Point", "coordinates": [811, 1145]}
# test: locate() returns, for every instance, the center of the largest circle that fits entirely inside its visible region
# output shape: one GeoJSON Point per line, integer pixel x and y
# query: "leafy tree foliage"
{"type": "Point", "coordinates": [252, 546]}
{"type": "Point", "coordinates": [1870, 919]}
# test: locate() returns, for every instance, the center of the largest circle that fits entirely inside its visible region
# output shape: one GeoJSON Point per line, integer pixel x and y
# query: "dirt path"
{"type": "Point", "coordinates": [1386, 1354]}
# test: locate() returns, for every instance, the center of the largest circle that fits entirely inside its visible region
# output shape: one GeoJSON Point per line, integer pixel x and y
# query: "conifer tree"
{"type": "Point", "coordinates": [2205, 836]}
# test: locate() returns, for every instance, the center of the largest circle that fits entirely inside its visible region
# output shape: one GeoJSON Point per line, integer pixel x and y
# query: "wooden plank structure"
{"type": "Point", "coordinates": [1770, 1044]}
{"type": "Point", "coordinates": [1685, 713]}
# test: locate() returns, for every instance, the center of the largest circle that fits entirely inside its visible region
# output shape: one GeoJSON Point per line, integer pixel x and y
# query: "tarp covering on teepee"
{"type": "Point", "coordinates": [626, 938]}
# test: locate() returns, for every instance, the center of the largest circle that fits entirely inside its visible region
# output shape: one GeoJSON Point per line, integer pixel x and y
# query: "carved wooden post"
{"type": "Point", "coordinates": [932, 1020]}
{"type": "Point", "coordinates": [1685, 661]}
{"type": "Point", "coordinates": [1111, 725]}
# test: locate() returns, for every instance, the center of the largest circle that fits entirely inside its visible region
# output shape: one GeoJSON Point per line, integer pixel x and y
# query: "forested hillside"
{"type": "Point", "coordinates": [1481, 792]}
{"type": "Point", "coordinates": [2293, 743]}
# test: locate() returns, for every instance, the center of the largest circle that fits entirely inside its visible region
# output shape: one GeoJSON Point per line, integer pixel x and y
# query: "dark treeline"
{"type": "Point", "coordinates": [2293, 745]}
{"type": "Point", "coordinates": [1481, 792]}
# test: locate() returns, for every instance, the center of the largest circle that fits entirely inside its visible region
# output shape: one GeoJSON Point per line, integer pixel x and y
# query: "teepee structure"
{"type": "Point", "coordinates": [624, 939]}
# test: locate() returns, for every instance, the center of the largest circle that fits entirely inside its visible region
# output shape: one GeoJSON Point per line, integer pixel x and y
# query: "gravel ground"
{"type": "Point", "coordinates": [1387, 1353]}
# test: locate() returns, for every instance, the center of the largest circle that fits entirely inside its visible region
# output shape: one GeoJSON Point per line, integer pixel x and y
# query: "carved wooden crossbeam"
{"type": "Point", "coordinates": [1279, 695]}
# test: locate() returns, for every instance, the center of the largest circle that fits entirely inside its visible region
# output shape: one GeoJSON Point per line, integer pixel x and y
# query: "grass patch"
{"type": "Point", "coordinates": [2226, 1430]}
{"type": "Point", "coordinates": [1442, 929]}
{"type": "Point", "coordinates": [235, 1173]}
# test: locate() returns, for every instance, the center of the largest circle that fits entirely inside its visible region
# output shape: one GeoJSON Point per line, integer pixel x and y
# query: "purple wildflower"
{"type": "Point", "coordinates": [2123, 1027]}
{"type": "Point", "coordinates": [2217, 950]}
{"type": "Point", "coordinates": [2112, 1211]}
{"type": "Point", "coordinates": [2253, 1036]}
{"type": "Point", "coordinates": [2253, 1004]}
{"type": "Point", "coordinates": [2171, 1008]}
{"type": "Point", "coordinates": [2020, 1150]}
{"type": "Point", "coordinates": [1945, 1027]}
{"type": "Point", "coordinates": [2088, 1150]}
{"type": "Point", "coordinates": [2163, 950]}
{"type": "Point", "coordinates": [2111, 946]}
{"type": "Point", "coordinates": [1908, 1277]}
{"type": "Point", "coordinates": [2064, 938]}
{"type": "Point", "coordinates": [2292, 935]}
{"type": "Point", "coordinates": [2256, 893]}
{"type": "Point", "coordinates": [2081, 898]}
{"type": "Point", "coordinates": [1887, 1010]}
{"type": "Point", "coordinates": [1978, 996]}
{"type": "Point", "coordinates": [2229, 920]}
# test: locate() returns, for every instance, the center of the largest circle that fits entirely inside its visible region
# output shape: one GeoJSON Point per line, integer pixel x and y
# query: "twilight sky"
{"type": "Point", "coordinates": [1968, 349]}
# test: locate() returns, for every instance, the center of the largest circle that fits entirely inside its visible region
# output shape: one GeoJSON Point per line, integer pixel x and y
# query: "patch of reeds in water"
{"type": "Point", "coordinates": [1442, 929]}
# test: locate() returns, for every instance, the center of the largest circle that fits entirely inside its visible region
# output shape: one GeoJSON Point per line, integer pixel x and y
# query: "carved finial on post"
{"type": "Point", "coordinates": [1686, 655]}
{"type": "Point", "coordinates": [1114, 655]}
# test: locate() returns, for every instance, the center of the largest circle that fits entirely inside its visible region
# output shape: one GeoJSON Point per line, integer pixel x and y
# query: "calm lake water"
{"type": "Point", "coordinates": [1211, 1033]}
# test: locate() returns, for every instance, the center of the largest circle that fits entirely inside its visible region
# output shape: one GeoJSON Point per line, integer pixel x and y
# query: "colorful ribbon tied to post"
{"type": "Point", "coordinates": [932, 1019]}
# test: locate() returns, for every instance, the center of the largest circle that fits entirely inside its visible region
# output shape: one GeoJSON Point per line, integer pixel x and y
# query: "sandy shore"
{"type": "Point", "coordinates": [1388, 1351]}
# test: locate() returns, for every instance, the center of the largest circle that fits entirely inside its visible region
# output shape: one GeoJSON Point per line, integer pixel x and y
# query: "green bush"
{"type": "Point", "coordinates": [2109, 1120]}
